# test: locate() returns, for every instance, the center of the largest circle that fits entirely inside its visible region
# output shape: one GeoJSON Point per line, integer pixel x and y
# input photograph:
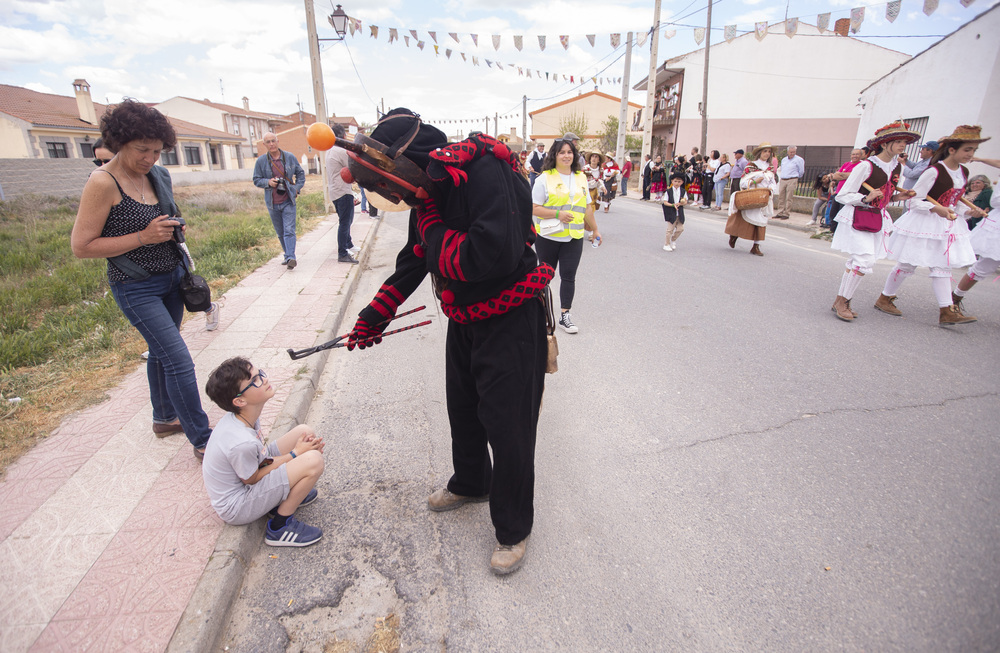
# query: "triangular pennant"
{"type": "Point", "coordinates": [892, 10]}
{"type": "Point", "coordinates": [730, 33]}
{"type": "Point", "coordinates": [518, 42]}
{"type": "Point", "coordinates": [761, 30]}
{"type": "Point", "coordinates": [594, 79]}
{"type": "Point", "coordinates": [966, 3]}
{"type": "Point", "coordinates": [930, 6]}
{"type": "Point", "coordinates": [564, 41]}
{"type": "Point", "coordinates": [413, 33]}
{"type": "Point", "coordinates": [475, 39]}
{"type": "Point", "coordinates": [420, 44]}
{"type": "Point", "coordinates": [616, 39]}
{"type": "Point", "coordinates": [392, 35]}
{"type": "Point", "coordinates": [669, 34]}
{"type": "Point", "coordinates": [406, 40]}
{"type": "Point", "coordinates": [352, 26]}
{"type": "Point", "coordinates": [496, 41]}
{"type": "Point", "coordinates": [823, 22]}
{"type": "Point", "coordinates": [436, 51]}
{"type": "Point", "coordinates": [565, 78]}
{"type": "Point", "coordinates": [572, 80]}
{"type": "Point", "coordinates": [843, 25]}
{"type": "Point", "coordinates": [454, 36]}
{"type": "Point", "coordinates": [447, 53]}
{"type": "Point", "coordinates": [520, 71]}
{"type": "Point", "coordinates": [791, 27]}
{"type": "Point", "coordinates": [463, 56]}
{"type": "Point", "coordinates": [475, 60]}
{"type": "Point", "coordinates": [857, 17]}
{"type": "Point", "coordinates": [546, 77]}
{"type": "Point", "coordinates": [642, 39]}
{"type": "Point", "coordinates": [529, 73]}
{"type": "Point", "coordinates": [699, 35]}
{"type": "Point", "coordinates": [489, 64]}
{"type": "Point", "coordinates": [590, 37]}
{"type": "Point", "coordinates": [374, 29]}
{"type": "Point", "coordinates": [433, 36]}
{"type": "Point", "coordinates": [541, 43]}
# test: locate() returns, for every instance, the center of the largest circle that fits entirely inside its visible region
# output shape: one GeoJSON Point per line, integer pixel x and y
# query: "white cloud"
{"type": "Point", "coordinates": [41, 88]}
{"type": "Point", "coordinates": [22, 46]}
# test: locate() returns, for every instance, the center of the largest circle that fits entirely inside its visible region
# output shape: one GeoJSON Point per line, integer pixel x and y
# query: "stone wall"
{"type": "Point", "coordinates": [212, 177]}
{"type": "Point", "coordinates": [56, 177]}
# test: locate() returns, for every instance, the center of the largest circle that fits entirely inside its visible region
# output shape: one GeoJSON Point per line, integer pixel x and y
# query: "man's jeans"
{"type": "Point", "coordinates": [345, 213]}
{"type": "Point", "coordinates": [364, 201]}
{"type": "Point", "coordinates": [283, 219]}
{"type": "Point", "coordinates": [154, 307]}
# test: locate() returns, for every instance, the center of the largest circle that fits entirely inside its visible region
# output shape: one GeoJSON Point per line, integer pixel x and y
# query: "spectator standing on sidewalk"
{"type": "Point", "coordinates": [278, 172]}
{"type": "Point", "coordinates": [245, 478]}
{"type": "Point", "coordinates": [708, 180]}
{"type": "Point", "coordinates": [535, 162]}
{"type": "Point", "coordinates": [626, 173]}
{"type": "Point", "coordinates": [647, 182]}
{"type": "Point", "coordinates": [793, 168]}
{"type": "Point", "coordinates": [657, 178]}
{"type": "Point", "coordinates": [913, 169]}
{"type": "Point", "coordinates": [739, 167]}
{"type": "Point", "coordinates": [342, 196]}
{"type": "Point", "coordinates": [720, 180]}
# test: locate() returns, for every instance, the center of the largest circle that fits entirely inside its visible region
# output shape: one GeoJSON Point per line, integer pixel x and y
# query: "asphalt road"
{"type": "Point", "coordinates": [721, 466]}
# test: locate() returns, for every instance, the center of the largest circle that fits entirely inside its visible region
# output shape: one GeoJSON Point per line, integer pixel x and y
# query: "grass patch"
{"type": "Point", "coordinates": [63, 340]}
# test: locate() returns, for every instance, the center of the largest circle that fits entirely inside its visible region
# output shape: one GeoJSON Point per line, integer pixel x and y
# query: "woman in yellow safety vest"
{"type": "Point", "coordinates": [562, 210]}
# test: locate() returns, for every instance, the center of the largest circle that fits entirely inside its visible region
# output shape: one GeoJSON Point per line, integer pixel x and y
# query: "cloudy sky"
{"type": "Point", "coordinates": [224, 50]}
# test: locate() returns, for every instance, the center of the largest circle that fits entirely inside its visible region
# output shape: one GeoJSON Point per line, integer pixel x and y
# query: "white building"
{"type": "Point", "coordinates": [787, 91]}
{"type": "Point", "coordinates": [954, 82]}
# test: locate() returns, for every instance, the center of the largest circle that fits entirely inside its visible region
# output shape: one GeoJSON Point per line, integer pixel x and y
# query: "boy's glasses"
{"type": "Point", "coordinates": [255, 382]}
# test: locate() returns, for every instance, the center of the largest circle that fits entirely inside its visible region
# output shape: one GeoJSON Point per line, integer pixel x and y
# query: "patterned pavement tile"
{"type": "Point", "coordinates": [141, 633]}
{"type": "Point", "coordinates": [88, 505]}
{"type": "Point", "coordinates": [19, 637]}
{"type": "Point", "coordinates": [20, 498]}
{"type": "Point", "coordinates": [177, 500]}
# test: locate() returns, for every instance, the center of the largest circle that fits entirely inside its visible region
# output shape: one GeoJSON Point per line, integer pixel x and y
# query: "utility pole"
{"type": "Point", "coordinates": [704, 82]}
{"type": "Point", "coordinates": [647, 130]}
{"type": "Point", "coordinates": [524, 119]}
{"type": "Point", "coordinates": [623, 112]}
{"type": "Point", "coordinates": [319, 90]}
{"type": "Point", "coordinates": [496, 120]}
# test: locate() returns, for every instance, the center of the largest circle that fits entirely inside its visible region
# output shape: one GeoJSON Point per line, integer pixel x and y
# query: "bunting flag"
{"type": "Point", "coordinates": [433, 36]}
{"type": "Point", "coordinates": [615, 40]}
{"type": "Point", "coordinates": [420, 44]}
{"type": "Point", "coordinates": [791, 27]}
{"type": "Point", "coordinates": [392, 35]}
{"type": "Point", "coordinates": [475, 39]}
{"type": "Point", "coordinates": [518, 42]}
{"type": "Point", "coordinates": [669, 34]}
{"type": "Point", "coordinates": [447, 53]}
{"type": "Point", "coordinates": [475, 60]}
{"type": "Point", "coordinates": [454, 36]}
{"type": "Point", "coordinates": [436, 51]}
{"type": "Point", "coordinates": [641, 40]}
{"type": "Point", "coordinates": [823, 22]}
{"type": "Point", "coordinates": [730, 33]}
{"type": "Point", "coordinates": [374, 29]}
{"type": "Point", "coordinates": [892, 10]}
{"type": "Point", "coordinates": [699, 35]}
{"type": "Point", "coordinates": [541, 43]}
{"type": "Point", "coordinates": [489, 64]}
{"type": "Point", "coordinates": [857, 17]}
{"type": "Point", "coordinates": [353, 27]}
{"type": "Point", "coordinates": [966, 3]}
{"type": "Point", "coordinates": [406, 39]}
{"type": "Point", "coordinates": [413, 33]}
{"type": "Point", "coordinates": [564, 41]}
{"type": "Point", "coordinates": [843, 26]}
{"type": "Point", "coordinates": [590, 37]}
{"type": "Point", "coordinates": [930, 6]}
{"type": "Point", "coordinates": [496, 41]}
{"type": "Point", "coordinates": [546, 77]}
{"type": "Point", "coordinates": [529, 72]}
{"type": "Point", "coordinates": [520, 72]}
{"type": "Point", "coordinates": [761, 30]}
{"type": "Point", "coordinates": [463, 56]}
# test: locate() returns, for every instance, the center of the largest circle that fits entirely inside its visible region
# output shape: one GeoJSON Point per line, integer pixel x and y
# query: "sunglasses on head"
{"type": "Point", "coordinates": [100, 162]}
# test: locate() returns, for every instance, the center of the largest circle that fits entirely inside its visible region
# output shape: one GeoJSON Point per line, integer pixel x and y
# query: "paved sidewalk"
{"type": "Point", "coordinates": [109, 542]}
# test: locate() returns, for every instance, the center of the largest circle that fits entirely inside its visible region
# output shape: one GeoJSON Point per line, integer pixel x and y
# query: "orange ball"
{"type": "Point", "coordinates": [320, 136]}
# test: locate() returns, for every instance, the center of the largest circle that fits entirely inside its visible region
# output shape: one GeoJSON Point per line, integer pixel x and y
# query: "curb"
{"type": "Point", "coordinates": [206, 615]}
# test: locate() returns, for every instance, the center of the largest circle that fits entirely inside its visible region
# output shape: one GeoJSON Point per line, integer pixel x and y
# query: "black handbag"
{"type": "Point", "coordinates": [195, 292]}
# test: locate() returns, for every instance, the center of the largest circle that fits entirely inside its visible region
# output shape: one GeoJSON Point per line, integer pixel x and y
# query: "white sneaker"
{"type": "Point", "coordinates": [668, 248]}
{"type": "Point", "coordinates": [212, 317]}
{"type": "Point", "coordinates": [673, 246]}
{"type": "Point", "coordinates": [145, 355]}
{"type": "Point", "coordinates": [354, 250]}
{"type": "Point", "coordinates": [567, 323]}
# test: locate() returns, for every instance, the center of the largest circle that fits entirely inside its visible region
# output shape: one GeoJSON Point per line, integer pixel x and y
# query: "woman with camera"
{"type": "Point", "coordinates": [125, 216]}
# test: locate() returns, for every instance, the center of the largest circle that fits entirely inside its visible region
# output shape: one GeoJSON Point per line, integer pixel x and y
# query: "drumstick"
{"type": "Point", "coordinates": [928, 198]}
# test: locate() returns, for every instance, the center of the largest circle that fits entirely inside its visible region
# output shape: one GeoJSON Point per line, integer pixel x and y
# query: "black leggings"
{"type": "Point", "coordinates": [565, 257]}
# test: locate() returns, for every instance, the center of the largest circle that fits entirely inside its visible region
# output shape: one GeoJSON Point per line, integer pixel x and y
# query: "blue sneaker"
{"type": "Point", "coordinates": [294, 533]}
{"type": "Point", "coordinates": [313, 494]}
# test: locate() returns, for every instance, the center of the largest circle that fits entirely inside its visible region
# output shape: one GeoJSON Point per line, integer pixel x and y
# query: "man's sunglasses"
{"type": "Point", "coordinates": [256, 381]}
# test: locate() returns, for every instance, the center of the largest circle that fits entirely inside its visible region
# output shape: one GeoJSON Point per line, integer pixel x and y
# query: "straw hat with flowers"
{"type": "Point", "coordinates": [964, 134]}
{"type": "Point", "coordinates": [894, 131]}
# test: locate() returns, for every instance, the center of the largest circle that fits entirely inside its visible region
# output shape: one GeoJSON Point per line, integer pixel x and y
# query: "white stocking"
{"type": "Point", "coordinates": [896, 279]}
{"type": "Point", "coordinates": [849, 283]}
{"type": "Point", "coordinates": [942, 290]}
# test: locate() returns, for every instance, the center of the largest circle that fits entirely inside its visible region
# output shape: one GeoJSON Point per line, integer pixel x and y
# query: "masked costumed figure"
{"type": "Point", "coordinates": [472, 232]}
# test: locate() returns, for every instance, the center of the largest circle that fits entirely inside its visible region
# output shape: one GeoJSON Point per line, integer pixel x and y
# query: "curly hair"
{"type": "Point", "coordinates": [132, 121]}
{"type": "Point", "coordinates": [224, 382]}
{"type": "Point", "coordinates": [550, 156]}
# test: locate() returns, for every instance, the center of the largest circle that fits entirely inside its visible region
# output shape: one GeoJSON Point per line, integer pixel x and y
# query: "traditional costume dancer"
{"type": "Point", "coordinates": [673, 210]}
{"type": "Point", "coordinates": [474, 235]}
{"type": "Point", "coordinates": [595, 176]}
{"type": "Point", "coordinates": [610, 178]}
{"type": "Point", "coordinates": [865, 195]}
{"type": "Point", "coordinates": [929, 234]}
{"type": "Point", "coordinates": [750, 224]}
{"type": "Point", "coordinates": [985, 239]}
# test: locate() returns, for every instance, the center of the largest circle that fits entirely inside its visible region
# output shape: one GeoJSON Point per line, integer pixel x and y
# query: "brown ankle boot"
{"type": "Point", "coordinates": [853, 312]}
{"type": "Point", "coordinates": [842, 308]}
{"type": "Point", "coordinates": [887, 304]}
{"type": "Point", "coordinates": [951, 315]}
{"type": "Point", "coordinates": [732, 242]}
{"type": "Point", "coordinates": [755, 250]}
{"type": "Point", "coordinates": [957, 301]}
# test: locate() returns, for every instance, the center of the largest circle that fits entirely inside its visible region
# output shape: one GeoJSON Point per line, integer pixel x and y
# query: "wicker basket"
{"type": "Point", "coordinates": [754, 198]}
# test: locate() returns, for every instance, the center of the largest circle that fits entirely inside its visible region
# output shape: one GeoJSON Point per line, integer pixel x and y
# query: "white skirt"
{"type": "Point", "coordinates": [849, 240]}
{"type": "Point", "coordinates": [924, 239]}
{"type": "Point", "coordinates": [985, 238]}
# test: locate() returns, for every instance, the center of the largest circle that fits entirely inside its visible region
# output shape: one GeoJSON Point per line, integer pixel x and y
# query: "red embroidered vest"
{"type": "Point", "coordinates": [943, 190]}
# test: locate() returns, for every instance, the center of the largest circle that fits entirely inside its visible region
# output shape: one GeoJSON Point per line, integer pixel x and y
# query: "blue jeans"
{"type": "Point", "coordinates": [720, 190]}
{"type": "Point", "coordinates": [345, 214]}
{"type": "Point", "coordinates": [283, 219]}
{"type": "Point", "coordinates": [154, 307]}
{"type": "Point", "coordinates": [364, 200]}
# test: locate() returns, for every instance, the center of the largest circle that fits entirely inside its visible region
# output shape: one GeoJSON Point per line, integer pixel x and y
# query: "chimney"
{"type": "Point", "coordinates": [84, 105]}
{"type": "Point", "coordinates": [246, 103]}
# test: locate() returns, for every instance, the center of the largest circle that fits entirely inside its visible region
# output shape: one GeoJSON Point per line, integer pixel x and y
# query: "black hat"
{"type": "Point", "coordinates": [404, 133]}
{"type": "Point", "coordinates": [739, 152]}
{"type": "Point", "coordinates": [678, 175]}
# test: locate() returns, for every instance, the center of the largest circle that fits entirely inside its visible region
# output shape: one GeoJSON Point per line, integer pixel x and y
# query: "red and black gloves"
{"type": "Point", "coordinates": [427, 217]}
{"type": "Point", "coordinates": [375, 317]}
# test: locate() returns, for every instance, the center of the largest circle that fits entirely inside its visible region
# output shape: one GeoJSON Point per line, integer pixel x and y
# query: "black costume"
{"type": "Point", "coordinates": [475, 238]}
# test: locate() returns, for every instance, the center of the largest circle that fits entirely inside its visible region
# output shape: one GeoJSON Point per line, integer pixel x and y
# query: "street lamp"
{"type": "Point", "coordinates": [338, 21]}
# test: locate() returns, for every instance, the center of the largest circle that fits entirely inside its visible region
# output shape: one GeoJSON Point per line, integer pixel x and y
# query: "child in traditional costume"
{"type": "Point", "coordinates": [673, 210]}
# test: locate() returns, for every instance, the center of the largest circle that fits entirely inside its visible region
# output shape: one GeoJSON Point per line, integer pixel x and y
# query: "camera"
{"type": "Point", "coordinates": [281, 186]}
{"type": "Point", "coordinates": [178, 231]}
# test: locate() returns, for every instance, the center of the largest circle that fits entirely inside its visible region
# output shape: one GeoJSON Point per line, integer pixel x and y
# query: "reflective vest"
{"type": "Point", "coordinates": [559, 199]}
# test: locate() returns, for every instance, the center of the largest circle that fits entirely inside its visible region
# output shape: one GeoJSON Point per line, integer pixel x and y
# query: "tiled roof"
{"type": "Point", "coordinates": [237, 111]}
{"type": "Point", "coordinates": [60, 111]}
{"type": "Point", "coordinates": [303, 118]}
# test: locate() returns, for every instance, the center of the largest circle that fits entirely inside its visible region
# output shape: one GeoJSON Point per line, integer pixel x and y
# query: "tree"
{"type": "Point", "coordinates": [575, 123]}
{"type": "Point", "coordinates": [609, 138]}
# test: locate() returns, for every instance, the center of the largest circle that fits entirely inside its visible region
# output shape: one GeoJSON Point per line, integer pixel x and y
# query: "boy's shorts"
{"type": "Point", "coordinates": [264, 495]}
